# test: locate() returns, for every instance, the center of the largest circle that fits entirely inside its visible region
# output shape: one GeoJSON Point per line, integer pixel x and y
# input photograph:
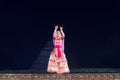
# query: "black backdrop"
{"type": "Point", "coordinates": [91, 28]}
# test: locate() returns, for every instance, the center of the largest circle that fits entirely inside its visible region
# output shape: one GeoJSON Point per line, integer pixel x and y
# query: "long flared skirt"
{"type": "Point", "coordinates": [58, 65]}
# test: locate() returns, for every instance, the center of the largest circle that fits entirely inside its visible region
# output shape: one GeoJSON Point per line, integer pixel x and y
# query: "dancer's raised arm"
{"type": "Point", "coordinates": [61, 30]}
{"type": "Point", "coordinates": [55, 31]}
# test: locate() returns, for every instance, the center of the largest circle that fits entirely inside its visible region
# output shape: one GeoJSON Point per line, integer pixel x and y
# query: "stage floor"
{"type": "Point", "coordinates": [76, 74]}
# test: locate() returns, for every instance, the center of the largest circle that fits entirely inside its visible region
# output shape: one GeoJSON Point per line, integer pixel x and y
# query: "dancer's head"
{"type": "Point", "coordinates": [59, 34]}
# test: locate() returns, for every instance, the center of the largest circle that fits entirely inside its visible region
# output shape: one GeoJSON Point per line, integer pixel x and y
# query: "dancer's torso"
{"type": "Point", "coordinates": [58, 42]}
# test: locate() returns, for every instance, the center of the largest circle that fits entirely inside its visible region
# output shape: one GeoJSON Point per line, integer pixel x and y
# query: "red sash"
{"type": "Point", "coordinates": [58, 49]}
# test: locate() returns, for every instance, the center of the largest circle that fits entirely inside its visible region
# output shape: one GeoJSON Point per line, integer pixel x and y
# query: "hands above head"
{"type": "Point", "coordinates": [56, 27]}
{"type": "Point", "coordinates": [61, 30]}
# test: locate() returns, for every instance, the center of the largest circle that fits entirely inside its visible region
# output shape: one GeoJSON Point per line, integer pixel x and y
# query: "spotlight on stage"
{"type": "Point", "coordinates": [41, 62]}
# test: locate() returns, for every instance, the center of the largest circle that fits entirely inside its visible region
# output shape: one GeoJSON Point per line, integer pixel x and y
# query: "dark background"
{"type": "Point", "coordinates": [92, 31]}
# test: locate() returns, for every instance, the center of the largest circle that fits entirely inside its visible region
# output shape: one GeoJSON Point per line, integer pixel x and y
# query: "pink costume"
{"type": "Point", "coordinates": [57, 61]}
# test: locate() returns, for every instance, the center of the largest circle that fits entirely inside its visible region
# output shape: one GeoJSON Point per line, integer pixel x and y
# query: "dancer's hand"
{"type": "Point", "coordinates": [56, 27]}
{"type": "Point", "coordinates": [61, 28]}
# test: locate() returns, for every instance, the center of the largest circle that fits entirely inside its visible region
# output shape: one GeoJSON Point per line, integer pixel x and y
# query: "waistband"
{"type": "Point", "coordinates": [57, 46]}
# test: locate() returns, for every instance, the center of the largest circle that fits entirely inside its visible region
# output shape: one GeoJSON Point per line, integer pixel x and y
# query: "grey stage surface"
{"type": "Point", "coordinates": [76, 74]}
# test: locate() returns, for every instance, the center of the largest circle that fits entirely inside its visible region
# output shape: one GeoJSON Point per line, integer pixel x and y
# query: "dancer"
{"type": "Point", "coordinates": [57, 61]}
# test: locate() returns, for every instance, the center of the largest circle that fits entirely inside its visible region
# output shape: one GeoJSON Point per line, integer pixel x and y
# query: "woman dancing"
{"type": "Point", "coordinates": [57, 61]}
